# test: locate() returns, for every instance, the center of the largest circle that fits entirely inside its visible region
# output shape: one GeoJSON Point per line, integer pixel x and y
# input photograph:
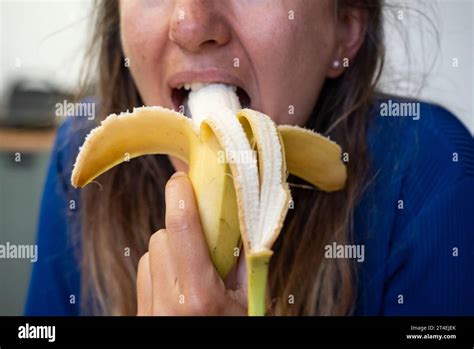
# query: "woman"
{"type": "Point", "coordinates": [405, 208]}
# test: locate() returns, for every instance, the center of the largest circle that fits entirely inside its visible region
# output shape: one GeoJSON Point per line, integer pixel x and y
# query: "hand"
{"type": "Point", "coordinates": [176, 276]}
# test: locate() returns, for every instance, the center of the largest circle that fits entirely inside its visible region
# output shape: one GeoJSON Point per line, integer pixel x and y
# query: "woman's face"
{"type": "Point", "coordinates": [278, 51]}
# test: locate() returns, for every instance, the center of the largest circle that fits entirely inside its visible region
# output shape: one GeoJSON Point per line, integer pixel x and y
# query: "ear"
{"type": "Point", "coordinates": [351, 29]}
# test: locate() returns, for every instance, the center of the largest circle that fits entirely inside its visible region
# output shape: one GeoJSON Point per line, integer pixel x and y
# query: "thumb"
{"type": "Point", "coordinates": [186, 239]}
{"type": "Point", "coordinates": [196, 276]}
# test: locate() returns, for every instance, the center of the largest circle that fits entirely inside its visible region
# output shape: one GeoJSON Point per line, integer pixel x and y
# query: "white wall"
{"type": "Point", "coordinates": [426, 63]}
{"type": "Point", "coordinates": [48, 38]}
{"type": "Point", "coordinates": [42, 39]}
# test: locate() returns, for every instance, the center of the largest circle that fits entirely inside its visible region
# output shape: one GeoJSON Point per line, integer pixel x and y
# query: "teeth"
{"type": "Point", "coordinates": [196, 86]}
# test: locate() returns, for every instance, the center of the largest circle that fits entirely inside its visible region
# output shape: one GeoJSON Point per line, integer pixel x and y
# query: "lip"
{"type": "Point", "coordinates": [209, 75]}
{"type": "Point", "coordinates": [212, 75]}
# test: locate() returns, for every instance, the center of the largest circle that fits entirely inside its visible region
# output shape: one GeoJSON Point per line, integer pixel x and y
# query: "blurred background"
{"type": "Point", "coordinates": [430, 48]}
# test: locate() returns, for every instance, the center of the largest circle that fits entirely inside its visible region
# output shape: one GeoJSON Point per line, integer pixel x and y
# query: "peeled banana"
{"type": "Point", "coordinates": [238, 165]}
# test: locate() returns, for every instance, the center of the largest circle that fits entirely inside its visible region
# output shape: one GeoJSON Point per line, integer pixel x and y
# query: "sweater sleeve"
{"type": "Point", "coordinates": [54, 284]}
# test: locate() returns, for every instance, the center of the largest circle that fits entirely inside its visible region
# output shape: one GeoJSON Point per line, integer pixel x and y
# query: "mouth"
{"type": "Point", "coordinates": [180, 94]}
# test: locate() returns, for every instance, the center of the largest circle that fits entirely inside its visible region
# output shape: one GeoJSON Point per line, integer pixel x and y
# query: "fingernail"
{"type": "Point", "coordinates": [178, 174]}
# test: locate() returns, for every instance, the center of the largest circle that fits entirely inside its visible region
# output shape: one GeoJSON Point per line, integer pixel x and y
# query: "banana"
{"type": "Point", "coordinates": [157, 130]}
{"type": "Point", "coordinates": [238, 165]}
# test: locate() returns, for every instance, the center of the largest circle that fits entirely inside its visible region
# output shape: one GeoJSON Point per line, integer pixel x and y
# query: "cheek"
{"type": "Point", "coordinates": [142, 38]}
{"type": "Point", "coordinates": [290, 56]}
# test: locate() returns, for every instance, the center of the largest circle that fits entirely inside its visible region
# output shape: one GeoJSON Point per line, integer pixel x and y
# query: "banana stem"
{"type": "Point", "coordinates": [257, 277]}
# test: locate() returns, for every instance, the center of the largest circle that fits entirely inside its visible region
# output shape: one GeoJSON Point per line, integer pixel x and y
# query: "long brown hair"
{"type": "Point", "coordinates": [118, 218]}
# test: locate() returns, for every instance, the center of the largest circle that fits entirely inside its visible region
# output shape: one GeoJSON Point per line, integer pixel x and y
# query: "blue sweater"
{"type": "Point", "coordinates": [415, 221]}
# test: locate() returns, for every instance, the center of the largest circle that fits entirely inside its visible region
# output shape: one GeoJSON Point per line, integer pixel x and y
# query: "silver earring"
{"type": "Point", "coordinates": [336, 64]}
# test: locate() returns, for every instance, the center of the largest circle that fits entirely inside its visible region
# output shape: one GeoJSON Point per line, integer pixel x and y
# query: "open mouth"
{"type": "Point", "coordinates": [180, 97]}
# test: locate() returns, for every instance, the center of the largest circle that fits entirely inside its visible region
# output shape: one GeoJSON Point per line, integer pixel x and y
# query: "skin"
{"type": "Point", "coordinates": [282, 63]}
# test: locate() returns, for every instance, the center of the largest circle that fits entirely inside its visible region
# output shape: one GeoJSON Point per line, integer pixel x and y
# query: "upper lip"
{"type": "Point", "coordinates": [207, 75]}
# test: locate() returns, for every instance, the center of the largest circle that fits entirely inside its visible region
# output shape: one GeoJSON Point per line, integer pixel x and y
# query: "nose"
{"type": "Point", "coordinates": [197, 24]}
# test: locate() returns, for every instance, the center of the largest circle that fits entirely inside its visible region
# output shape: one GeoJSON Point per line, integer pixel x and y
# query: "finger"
{"type": "Point", "coordinates": [185, 236]}
{"type": "Point", "coordinates": [144, 287]}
